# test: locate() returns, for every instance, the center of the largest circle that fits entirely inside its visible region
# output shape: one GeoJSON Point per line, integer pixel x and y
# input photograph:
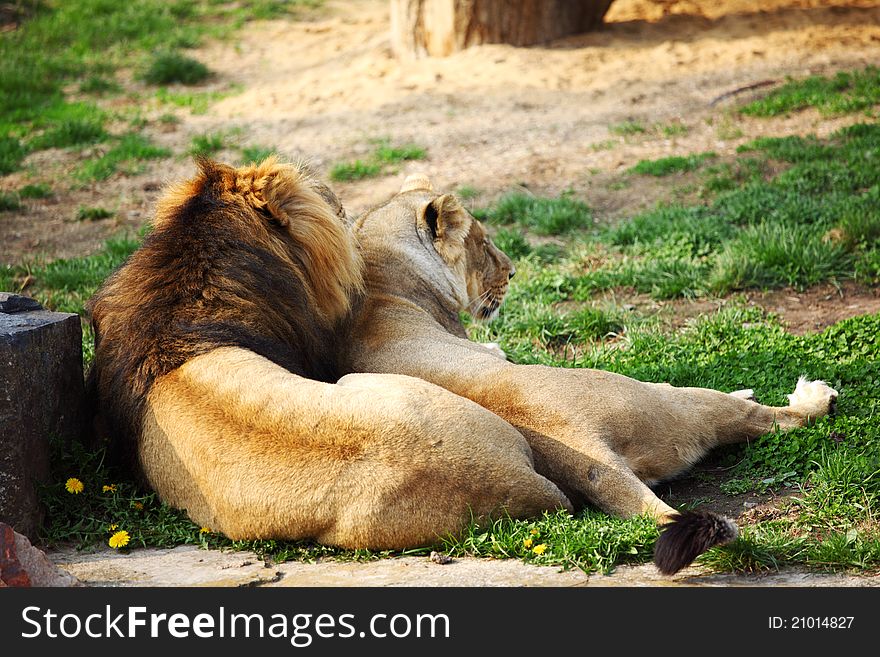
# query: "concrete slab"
{"type": "Point", "coordinates": [192, 566]}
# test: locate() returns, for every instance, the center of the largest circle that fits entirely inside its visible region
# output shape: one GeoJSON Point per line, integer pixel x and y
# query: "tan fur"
{"type": "Point", "coordinates": [375, 461]}
{"type": "Point", "coordinates": [284, 191]}
{"type": "Point", "coordinates": [210, 342]}
{"type": "Point", "coordinates": [596, 434]}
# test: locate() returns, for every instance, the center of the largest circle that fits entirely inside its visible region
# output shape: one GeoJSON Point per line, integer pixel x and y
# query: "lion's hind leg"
{"type": "Point", "coordinates": [612, 486]}
{"type": "Point", "coordinates": [688, 534]}
{"type": "Point", "coordinates": [736, 421]}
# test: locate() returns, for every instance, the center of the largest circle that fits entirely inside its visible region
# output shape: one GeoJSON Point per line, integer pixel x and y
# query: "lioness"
{"type": "Point", "coordinates": [596, 434]}
{"type": "Point", "coordinates": [215, 351]}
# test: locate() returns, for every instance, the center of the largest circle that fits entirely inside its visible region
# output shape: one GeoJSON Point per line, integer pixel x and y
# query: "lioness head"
{"type": "Point", "coordinates": [489, 271]}
{"type": "Point", "coordinates": [461, 258]}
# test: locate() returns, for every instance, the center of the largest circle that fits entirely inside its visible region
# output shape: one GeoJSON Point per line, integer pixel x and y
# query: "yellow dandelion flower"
{"type": "Point", "coordinates": [74, 485]}
{"type": "Point", "coordinates": [119, 539]}
{"type": "Point", "coordinates": [113, 527]}
{"type": "Point", "coordinates": [527, 542]}
{"type": "Point", "coordinates": [540, 549]}
{"type": "Point", "coordinates": [534, 531]}
{"type": "Point", "coordinates": [108, 489]}
{"type": "Point", "coordinates": [205, 530]}
{"type": "Point", "coordinates": [138, 506]}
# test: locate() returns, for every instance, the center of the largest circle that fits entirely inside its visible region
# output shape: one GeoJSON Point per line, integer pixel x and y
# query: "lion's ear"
{"type": "Point", "coordinates": [447, 220]}
{"type": "Point", "coordinates": [416, 181]}
{"type": "Point", "coordinates": [270, 186]}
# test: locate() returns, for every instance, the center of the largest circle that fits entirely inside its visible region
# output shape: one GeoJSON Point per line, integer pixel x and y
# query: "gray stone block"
{"type": "Point", "coordinates": [41, 396]}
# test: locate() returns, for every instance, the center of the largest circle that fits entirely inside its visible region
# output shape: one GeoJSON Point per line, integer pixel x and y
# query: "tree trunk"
{"type": "Point", "coordinates": [441, 27]}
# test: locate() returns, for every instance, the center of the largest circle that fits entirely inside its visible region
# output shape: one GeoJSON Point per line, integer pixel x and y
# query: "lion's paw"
{"type": "Point", "coordinates": [748, 394]}
{"type": "Point", "coordinates": [494, 349]}
{"type": "Point", "coordinates": [813, 398]}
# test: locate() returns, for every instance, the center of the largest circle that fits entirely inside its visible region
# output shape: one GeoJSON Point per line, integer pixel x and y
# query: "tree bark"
{"type": "Point", "coordinates": [441, 27]}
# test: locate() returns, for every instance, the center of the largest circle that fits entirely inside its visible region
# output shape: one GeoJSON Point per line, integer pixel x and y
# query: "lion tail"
{"type": "Point", "coordinates": [689, 535]}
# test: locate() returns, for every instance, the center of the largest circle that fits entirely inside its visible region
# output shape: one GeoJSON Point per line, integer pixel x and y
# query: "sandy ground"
{"type": "Point", "coordinates": [496, 116]}
{"type": "Point", "coordinates": [492, 117]}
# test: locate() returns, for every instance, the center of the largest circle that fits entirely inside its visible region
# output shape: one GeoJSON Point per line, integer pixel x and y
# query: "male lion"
{"type": "Point", "coordinates": [596, 434]}
{"type": "Point", "coordinates": [215, 346]}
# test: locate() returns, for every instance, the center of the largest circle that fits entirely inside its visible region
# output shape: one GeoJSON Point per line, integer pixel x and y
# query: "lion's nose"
{"type": "Point", "coordinates": [510, 275]}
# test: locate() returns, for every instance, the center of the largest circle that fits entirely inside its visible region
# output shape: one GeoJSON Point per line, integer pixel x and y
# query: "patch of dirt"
{"type": "Point", "coordinates": [700, 487]}
{"type": "Point", "coordinates": [800, 311]}
{"type": "Point", "coordinates": [819, 307]}
{"type": "Point", "coordinates": [491, 117]}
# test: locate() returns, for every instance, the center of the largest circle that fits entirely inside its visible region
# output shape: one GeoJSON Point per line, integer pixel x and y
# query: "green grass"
{"type": "Point", "coordinates": [79, 39]}
{"type": "Point", "coordinates": [107, 504]}
{"type": "Point", "coordinates": [467, 192]}
{"type": "Point", "coordinates": [381, 161]}
{"type": "Point", "coordinates": [207, 144]}
{"type": "Point", "coordinates": [39, 190]}
{"type": "Point", "coordinates": [727, 176]}
{"type": "Point", "coordinates": [513, 242]}
{"type": "Point", "coordinates": [84, 38]}
{"type": "Point", "coordinates": [197, 102]}
{"type": "Point", "coordinates": [627, 128]}
{"type": "Point", "coordinates": [816, 220]}
{"type": "Point", "coordinates": [9, 201]}
{"type": "Point", "coordinates": [99, 85]}
{"type": "Point", "coordinates": [174, 67]}
{"type": "Point", "coordinates": [672, 129]}
{"type": "Point", "coordinates": [591, 541]}
{"type": "Point", "coordinates": [834, 463]}
{"type": "Point", "coordinates": [604, 145]}
{"type": "Point", "coordinates": [675, 225]}
{"type": "Point", "coordinates": [844, 93]}
{"type": "Point", "coordinates": [84, 43]}
{"type": "Point", "coordinates": [126, 154]}
{"type": "Point", "coordinates": [387, 154]}
{"type": "Point", "coordinates": [12, 152]}
{"type": "Point", "coordinates": [632, 128]}
{"type": "Point", "coordinates": [556, 329]}
{"type": "Point", "coordinates": [666, 166]}
{"type": "Point", "coordinates": [71, 132]}
{"type": "Point", "coordinates": [64, 285]}
{"type": "Point", "coordinates": [269, 9]}
{"type": "Point", "coordinates": [357, 170]}
{"type": "Point", "coordinates": [859, 228]}
{"type": "Point", "coordinates": [543, 216]}
{"type": "Point", "coordinates": [93, 214]}
{"type": "Point", "coordinates": [551, 318]}
{"type": "Point", "coordinates": [774, 254]}
{"type": "Point", "coordinates": [256, 154]}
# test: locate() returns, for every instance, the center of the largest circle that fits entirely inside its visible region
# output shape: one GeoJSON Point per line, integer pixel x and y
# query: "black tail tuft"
{"type": "Point", "coordinates": [689, 535]}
